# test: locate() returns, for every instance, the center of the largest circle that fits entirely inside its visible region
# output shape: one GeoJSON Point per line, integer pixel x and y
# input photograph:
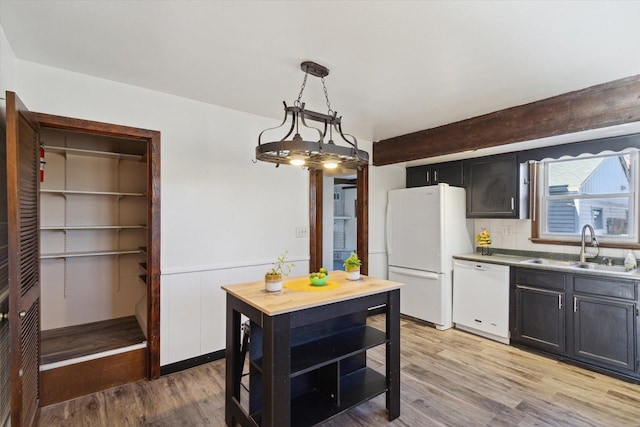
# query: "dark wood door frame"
{"type": "Point", "coordinates": [152, 139]}
{"type": "Point", "coordinates": [316, 219]}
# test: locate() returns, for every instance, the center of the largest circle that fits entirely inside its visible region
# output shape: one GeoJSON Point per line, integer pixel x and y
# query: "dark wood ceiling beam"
{"type": "Point", "coordinates": [603, 105]}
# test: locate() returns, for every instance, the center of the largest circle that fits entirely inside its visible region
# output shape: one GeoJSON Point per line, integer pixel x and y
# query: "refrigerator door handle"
{"type": "Point", "coordinates": [388, 229]}
{"type": "Point", "coordinates": [414, 273]}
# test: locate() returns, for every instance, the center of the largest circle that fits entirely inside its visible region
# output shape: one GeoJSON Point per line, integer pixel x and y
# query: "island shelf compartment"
{"type": "Point", "coordinates": [321, 350]}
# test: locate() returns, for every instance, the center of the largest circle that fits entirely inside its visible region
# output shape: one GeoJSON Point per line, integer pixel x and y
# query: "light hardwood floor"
{"type": "Point", "coordinates": [449, 378]}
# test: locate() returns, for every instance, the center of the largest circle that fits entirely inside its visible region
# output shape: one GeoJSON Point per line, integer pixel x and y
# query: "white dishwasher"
{"type": "Point", "coordinates": [481, 299]}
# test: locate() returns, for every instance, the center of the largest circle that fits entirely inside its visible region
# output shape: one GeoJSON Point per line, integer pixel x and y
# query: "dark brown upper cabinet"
{"type": "Point", "coordinates": [495, 187]}
{"type": "Point", "coordinates": [451, 173]}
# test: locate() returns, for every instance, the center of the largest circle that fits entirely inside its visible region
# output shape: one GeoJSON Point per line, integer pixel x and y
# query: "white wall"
{"type": "Point", "coordinates": [220, 212]}
{"type": "Point", "coordinates": [224, 218]}
{"type": "Point", "coordinates": [8, 79]}
{"type": "Point", "coordinates": [381, 179]}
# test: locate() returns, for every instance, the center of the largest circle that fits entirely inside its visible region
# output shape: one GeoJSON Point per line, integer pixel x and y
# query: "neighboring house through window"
{"type": "Point", "coordinates": [599, 190]}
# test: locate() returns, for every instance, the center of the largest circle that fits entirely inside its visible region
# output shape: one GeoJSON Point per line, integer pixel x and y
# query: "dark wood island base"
{"type": "Point", "coordinates": [307, 355]}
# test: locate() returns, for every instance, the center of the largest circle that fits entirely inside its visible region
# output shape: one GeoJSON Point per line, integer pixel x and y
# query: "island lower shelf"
{"type": "Point", "coordinates": [314, 406]}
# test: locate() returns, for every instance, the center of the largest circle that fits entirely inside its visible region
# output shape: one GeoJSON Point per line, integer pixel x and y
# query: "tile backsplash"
{"type": "Point", "coordinates": [515, 234]}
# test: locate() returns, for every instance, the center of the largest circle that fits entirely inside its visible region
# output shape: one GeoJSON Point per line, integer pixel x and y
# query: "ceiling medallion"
{"type": "Point", "coordinates": [312, 154]}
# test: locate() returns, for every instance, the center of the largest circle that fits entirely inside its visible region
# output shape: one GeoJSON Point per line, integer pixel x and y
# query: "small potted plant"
{"type": "Point", "coordinates": [280, 269]}
{"type": "Point", "coordinates": [352, 266]}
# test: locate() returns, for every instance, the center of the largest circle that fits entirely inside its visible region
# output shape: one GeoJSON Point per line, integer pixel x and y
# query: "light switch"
{"type": "Point", "coordinates": [302, 231]}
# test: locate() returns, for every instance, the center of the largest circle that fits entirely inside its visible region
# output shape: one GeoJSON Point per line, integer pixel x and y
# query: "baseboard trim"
{"type": "Point", "coordinates": [172, 368]}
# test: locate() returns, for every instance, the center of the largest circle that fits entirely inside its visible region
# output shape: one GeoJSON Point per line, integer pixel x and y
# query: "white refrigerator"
{"type": "Point", "coordinates": [426, 226]}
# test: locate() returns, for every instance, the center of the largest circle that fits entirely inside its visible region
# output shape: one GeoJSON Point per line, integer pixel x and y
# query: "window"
{"type": "Point", "coordinates": [599, 190]}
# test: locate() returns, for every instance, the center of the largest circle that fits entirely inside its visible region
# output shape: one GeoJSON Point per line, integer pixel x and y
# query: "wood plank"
{"type": "Point", "coordinates": [89, 338]}
{"type": "Point", "coordinates": [79, 379]}
{"type": "Point", "coordinates": [598, 106]}
{"type": "Point", "coordinates": [449, 378]}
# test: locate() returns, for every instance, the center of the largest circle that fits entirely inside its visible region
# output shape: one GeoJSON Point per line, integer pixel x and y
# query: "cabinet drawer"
{"type": "Point", "coordinates": [605, 287]}
{"type": "Point", "coordinates": [541, 279]}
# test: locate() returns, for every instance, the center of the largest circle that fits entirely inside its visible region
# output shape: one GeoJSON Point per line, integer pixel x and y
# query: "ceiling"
{"type": "Point", "coordinates": [396, 66]}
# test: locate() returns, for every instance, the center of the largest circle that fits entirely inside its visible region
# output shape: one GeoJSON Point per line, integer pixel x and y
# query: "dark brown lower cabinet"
{"type": "Point", "coordinates": [591, 319]}
{"type": "Point", "coordinates": [605, 313]}
{"type": "Point", "coordinates": [603, 332]}
{"type": "Point", "coordinates": [540, 309]}
{"type": "Point", "coordinates": [541, 318]}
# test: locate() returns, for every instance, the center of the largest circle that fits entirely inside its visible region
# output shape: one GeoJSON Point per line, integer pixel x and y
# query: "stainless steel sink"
{"type": "Point", "coordinates": [578, 265]}
{"type": "Point", "coordinates": [547, 261]}
{"type": "Point", "coordinates": [602, 267]}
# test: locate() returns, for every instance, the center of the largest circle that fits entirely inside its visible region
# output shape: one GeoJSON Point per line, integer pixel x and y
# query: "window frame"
{"type": "Point", "coordinates": [539, 199]}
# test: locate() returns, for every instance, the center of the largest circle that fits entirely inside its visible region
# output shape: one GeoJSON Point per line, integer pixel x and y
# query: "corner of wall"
{"type": "Point", "coordinates": [8, 73]}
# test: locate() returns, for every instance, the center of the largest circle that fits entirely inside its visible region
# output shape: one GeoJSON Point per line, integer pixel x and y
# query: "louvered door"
{"type": "Point", "coordinates": [24, 263]}
{"type": "Point", "coordinates": [5, 389]}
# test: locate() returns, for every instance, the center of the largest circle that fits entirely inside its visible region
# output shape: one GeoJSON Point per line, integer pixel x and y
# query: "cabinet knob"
{"type": "Point", "coordinates": [22, 313]}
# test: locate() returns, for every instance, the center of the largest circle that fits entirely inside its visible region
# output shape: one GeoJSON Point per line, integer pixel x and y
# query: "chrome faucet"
{"type": "Point", "coordinates": [594, 242]}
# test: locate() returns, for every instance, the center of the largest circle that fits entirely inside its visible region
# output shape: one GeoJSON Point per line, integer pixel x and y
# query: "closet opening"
{"type": "Point", "coordinates": [100, 244]}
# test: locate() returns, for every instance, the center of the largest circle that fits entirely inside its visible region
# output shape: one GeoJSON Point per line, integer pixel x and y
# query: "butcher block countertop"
{"type": "Point", "coordinates": [288, 300]}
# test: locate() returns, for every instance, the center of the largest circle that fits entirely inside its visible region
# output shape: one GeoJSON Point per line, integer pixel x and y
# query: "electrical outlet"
{"type": "Point", "coordinates": [507, 230]}
{"type": "Point", "coordinates": [302, 231]}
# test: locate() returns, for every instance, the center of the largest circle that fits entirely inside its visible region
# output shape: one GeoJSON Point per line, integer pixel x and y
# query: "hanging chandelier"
{"type": "Point", "coordinates": [314, 154]}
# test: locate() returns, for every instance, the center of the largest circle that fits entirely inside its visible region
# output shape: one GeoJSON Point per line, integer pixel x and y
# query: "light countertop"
{"type": "Point", "coordinates": [517, 261]}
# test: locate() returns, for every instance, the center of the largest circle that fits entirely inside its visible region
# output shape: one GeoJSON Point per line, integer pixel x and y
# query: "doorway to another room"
{"type": "Point", "coordinates": [344, 219]}
{"type": "Point", "coordinates": [321, 218]}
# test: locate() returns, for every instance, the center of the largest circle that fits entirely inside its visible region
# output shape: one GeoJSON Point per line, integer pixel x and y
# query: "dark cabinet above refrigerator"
{"type": "Point", "coordinates": [497, 186]}
{"type": "Point", "coordinates": [451, 173]}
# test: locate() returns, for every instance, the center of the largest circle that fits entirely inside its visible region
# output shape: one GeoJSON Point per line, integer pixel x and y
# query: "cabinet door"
{"type": "Point", "coordinates": [540, 315]}
{"type": "Point", "coordinates": [418, 176]}
{"type": "Point", "coordinates": [492, 187]}
{"type": "Point", "coordinates": [604, 331]}
{"type": "Point", "coordinates": [449, 173]}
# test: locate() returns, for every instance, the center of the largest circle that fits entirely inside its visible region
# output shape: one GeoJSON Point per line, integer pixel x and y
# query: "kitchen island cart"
{"type": "Point", "coordinates": [308, 351]}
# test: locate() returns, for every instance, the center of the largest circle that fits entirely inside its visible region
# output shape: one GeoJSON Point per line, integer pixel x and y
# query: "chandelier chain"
{"type": "Point", "coordinates": [304, 83]}
{"type": "Point", "coordinates": [326, 95]}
